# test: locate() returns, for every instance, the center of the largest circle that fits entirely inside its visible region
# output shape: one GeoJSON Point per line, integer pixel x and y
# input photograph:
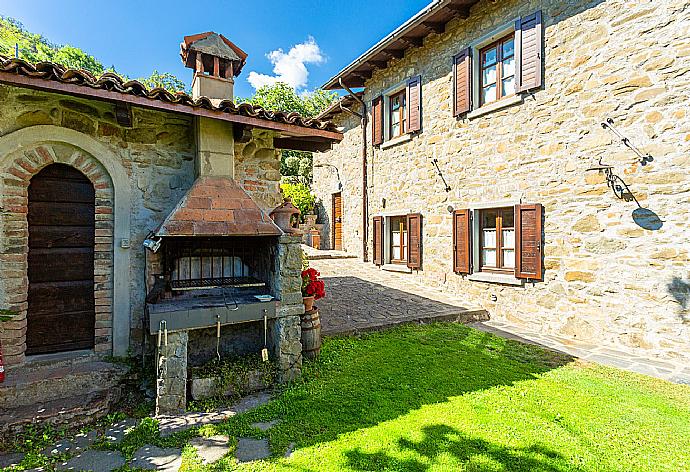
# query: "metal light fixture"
{"type": "Point", "coordinates": [337, 174]}
{"type": "Point", "coordinates": [644, 158]}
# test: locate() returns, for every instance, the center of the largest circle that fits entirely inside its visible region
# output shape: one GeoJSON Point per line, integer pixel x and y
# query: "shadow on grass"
{"type": "Point", "coordinates": [362, 381]}
{"type": "Point", "coordinates": [476, 454]}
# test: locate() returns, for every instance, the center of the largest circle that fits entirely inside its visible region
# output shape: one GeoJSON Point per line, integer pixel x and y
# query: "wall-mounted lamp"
{"type": "Point", "coordinates": [644, 158]}
{"type": "Point", "coordinates": [450, 209]}
{"type": "Point", "coordinates": [383, 203]}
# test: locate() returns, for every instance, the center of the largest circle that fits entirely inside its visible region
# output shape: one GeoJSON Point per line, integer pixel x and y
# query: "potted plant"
{"type": "Point", "coordinates": [312, 288]}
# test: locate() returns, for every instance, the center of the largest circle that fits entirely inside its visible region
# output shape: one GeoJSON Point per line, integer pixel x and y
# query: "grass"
{"type": "Point", "coordinates": [446, 397]}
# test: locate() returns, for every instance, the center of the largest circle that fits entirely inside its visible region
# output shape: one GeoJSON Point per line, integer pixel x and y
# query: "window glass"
{"type": "Point", "coordinates": [497, 70]}
{"type": "Point", "coordinates": [398, 238]}
{"type": "Point", "coordinates": [497, 239]}
{"type": "Point", "coordinates": [397, 114]}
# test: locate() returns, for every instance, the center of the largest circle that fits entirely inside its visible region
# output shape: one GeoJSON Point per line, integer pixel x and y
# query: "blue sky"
{"type": "Point", "coordinates": [137, 37]}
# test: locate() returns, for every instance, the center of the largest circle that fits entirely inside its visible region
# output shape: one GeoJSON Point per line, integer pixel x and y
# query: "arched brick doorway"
{"type": "Point", "coordinates": [61, 222]}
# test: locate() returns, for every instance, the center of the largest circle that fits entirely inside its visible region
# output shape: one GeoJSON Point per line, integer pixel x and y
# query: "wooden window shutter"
{"type": "Point", "coordinates": [414, 241]}
{"type": "Point", "coordinates": [462, 82]}
{"type": "Point", "coordinates": [462, 228]}
{"type": "Point", "coordinates": [528, 52]}
{"type": "Point", "coordinates": [377, 120]}
{"type": "Point", "coordinates": [528, 244]}
{"type": "Point", "coordinates": [414, 104]}
{"type": "Point", "coordinates": [378, 240]}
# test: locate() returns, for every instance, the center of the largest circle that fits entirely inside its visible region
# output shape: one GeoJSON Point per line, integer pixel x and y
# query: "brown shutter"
{"type": "Point", "coordinates": [414, 241]}
{"type": "Point", "coordinates": [528, 245]}
{"type": "Point", "coordinates": [378, 240]}
{"type": "Point", "coordinates": [377, 120]}
{"type": "Point", "coordinates": [461, 241]}
{"type": "Point", "coordinates": [414, 104]}
{"type": "Point", "coordinates": [528, 52]}
{"type": "Point", "coordinates": [462, 82]}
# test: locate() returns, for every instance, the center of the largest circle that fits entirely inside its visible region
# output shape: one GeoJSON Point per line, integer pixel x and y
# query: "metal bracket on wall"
{"type": "Point", "coordinates": [644, 158]}
{"type": "Point", "coordinates": [446, 187]}
{"type": "Point", "coordinates": [615, 183]}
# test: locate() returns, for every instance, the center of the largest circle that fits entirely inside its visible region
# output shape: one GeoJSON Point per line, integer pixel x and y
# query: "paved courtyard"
{"type": "Point", "coordinates": [361, 297]}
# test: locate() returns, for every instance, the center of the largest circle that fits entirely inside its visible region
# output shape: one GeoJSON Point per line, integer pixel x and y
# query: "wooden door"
{"type": "Point", "coordinates": [338, 221]}
{"type": "Point", "coordinates": [61, 312]}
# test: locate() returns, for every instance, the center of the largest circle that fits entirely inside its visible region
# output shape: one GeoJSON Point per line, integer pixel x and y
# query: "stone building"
{"type": "Point", "coordinates": [485, 164]}
{"type": "Point", "coordinates": [91, 167]}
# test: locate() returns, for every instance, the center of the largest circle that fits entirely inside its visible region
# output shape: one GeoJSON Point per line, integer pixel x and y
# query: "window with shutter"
{"type": "Point", "coordinates": [378, 240]}
{"type": "Point", "coordinates": [462, 82]}
{"type": "Point", "coordinates": [528, 52]}
{"type": "Point", "coordinates": [528, 242]}
{"type": "Point", "coordinates": [377, 120]}
{"type": "Point", "coordinates": [414, 246]}
{"type": "Point", "coordinates": [461, 241]}
{"type": "Point", "coordinates": [414, 104]}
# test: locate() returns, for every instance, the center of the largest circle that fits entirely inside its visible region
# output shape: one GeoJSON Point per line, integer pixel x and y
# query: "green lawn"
{"type": "Point", "coordinates": [446, 397]}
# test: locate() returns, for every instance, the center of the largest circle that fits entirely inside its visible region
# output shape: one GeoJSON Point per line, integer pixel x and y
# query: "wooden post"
{"type": "Point", "coordinates": [199, 63]}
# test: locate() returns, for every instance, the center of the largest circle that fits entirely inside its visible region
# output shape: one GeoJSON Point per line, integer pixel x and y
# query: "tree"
{"type": "Point", "coordinates": [35, 48]}
{"type": "Point", "coordinates": [282, 97]}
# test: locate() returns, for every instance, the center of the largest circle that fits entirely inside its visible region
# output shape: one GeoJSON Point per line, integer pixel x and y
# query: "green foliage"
{"type": "Point", "coordinates": [6, 315]}
{"type": "Point", "coordinates": [164, 80]}
{"type": "Point", "coordinates": [301, 197]}
{"type": "Point", "coordinates": [35, 48]}
{"type": "Point", "coordinates": [282, 97]}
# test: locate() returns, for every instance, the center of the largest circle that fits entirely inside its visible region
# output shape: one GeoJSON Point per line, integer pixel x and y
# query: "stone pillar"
{"type": "Point", "coordinates": [171, 395]}
{"type": "Point", "coordinates": [286, 332]}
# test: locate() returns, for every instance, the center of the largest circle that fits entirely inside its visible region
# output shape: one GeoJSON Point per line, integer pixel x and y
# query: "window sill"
{"type": "Point", "coordinates": [498, 105]}
{"type": "Point", "coordinates": [395, 141]}
{"type": "Point", "coordinates": [397, 268]}
{"type": "Point", "coordinates": [495, 278]}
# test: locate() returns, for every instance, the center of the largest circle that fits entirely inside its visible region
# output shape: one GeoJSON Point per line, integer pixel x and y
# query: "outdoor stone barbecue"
{"type": "Point", "coordinates": [170, 195]}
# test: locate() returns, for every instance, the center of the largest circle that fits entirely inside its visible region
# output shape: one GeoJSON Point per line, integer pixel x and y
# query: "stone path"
{"type": "Point", "coordinates": [677, 372]}
{"type": "Point", "coordinates": [170, 424]}
{"type": "Point", "coordinates": [361, 297]}
{"type": "Point", "coordinates": [210, 449]}
{"type": "Point", "coordinates": [151, 457]}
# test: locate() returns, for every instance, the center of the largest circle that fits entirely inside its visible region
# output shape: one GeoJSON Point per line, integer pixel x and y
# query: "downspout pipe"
{"type": "Point", "coordinates": [365, 196]}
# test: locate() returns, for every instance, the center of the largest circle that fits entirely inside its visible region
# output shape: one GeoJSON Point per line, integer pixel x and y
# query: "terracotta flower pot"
{"type": "Point", "coordinates": [308, 303]}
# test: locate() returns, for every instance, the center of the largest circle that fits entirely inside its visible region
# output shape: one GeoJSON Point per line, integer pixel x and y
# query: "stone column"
{"type": "Point", "coordinates": [286, 331]}
{"type": "Point", "coordinates": [172, 375]}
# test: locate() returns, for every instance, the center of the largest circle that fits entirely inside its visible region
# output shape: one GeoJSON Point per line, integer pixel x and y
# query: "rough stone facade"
{"type": "Point", "coordinates": [607, 280]}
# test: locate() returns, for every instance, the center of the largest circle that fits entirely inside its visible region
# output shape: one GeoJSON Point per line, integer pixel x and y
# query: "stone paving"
{"type": "Point", "coordinates": [360, 297]}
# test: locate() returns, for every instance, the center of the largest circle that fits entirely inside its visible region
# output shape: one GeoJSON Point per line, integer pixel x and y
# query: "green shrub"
{"type": "Point", "coordinates": [301, 197]}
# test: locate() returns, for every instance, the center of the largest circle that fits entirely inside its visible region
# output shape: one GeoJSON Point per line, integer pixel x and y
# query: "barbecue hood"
{"type": "Point", "coordinates": [217, 206]}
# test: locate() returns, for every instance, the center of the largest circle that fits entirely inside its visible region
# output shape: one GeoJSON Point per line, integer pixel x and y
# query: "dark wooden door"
{"type": "Point", "coordinates": [61, 313]}
{"type": "Point", "coordinates": [338, 222]}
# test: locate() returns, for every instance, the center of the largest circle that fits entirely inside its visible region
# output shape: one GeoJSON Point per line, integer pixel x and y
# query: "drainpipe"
{"type": "Point", "coordinates": [365, 198]}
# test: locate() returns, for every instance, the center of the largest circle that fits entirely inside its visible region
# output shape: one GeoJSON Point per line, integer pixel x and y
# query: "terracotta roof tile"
{"type": "Point", "coordinates": [217, 206]}
{"type": "Point", "coordinates": [113, 82]}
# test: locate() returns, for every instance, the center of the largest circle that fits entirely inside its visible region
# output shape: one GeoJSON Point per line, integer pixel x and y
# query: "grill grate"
{"type": "Point", "coordinates": [236, 282]}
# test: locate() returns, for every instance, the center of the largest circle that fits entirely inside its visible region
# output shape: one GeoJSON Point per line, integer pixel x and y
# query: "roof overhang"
{"type": "Point", "coordinates": [431, 19]}
{"type": "Point", "coordinates": [345, 103]}
{"type": "Point", "coordinates": [302, 134]}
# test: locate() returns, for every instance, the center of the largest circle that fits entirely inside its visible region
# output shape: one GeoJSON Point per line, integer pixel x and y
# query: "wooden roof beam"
{"type": "Point", "coordinates": [393, 53]}
{"type": "Point", "coordinates": [378, 64]}
{"type": "Point", "coordinates": [459, 10]}
{"type": "Point", "coordinates": [437, 27]}
{"type": "Point", "coordinates": [412, 41]}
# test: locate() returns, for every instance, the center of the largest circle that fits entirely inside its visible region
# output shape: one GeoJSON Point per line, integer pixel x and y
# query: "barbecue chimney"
{"type": "Point", "coordinates": [216, 62]}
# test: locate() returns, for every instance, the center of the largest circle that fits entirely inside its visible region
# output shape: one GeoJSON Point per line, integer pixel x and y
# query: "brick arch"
{"type": "Point", "coordinates": [22, 155]}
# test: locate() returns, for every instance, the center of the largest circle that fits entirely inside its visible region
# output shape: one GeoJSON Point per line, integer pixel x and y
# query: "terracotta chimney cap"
{"type": "Point", "coordinates": [211, 45]}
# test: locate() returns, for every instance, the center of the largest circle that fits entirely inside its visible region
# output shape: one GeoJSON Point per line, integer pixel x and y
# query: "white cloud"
{"type": "Point", "coordinates": [290, 68]}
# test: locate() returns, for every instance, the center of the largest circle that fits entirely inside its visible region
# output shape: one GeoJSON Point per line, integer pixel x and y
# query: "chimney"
{"type": "Point", "coordinates": [216, 62]}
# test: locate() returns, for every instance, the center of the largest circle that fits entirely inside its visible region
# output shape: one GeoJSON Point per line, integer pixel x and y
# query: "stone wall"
{"type": "Point", "coordinates": [607, 280]}
{"type": "Point", "coordinates": [155, 157]}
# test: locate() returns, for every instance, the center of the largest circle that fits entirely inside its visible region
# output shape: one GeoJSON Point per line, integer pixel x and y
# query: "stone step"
{"type": "Point", "coordinates": [71, 411]}
{"type": "Point", "coordinates": [43, 382]}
